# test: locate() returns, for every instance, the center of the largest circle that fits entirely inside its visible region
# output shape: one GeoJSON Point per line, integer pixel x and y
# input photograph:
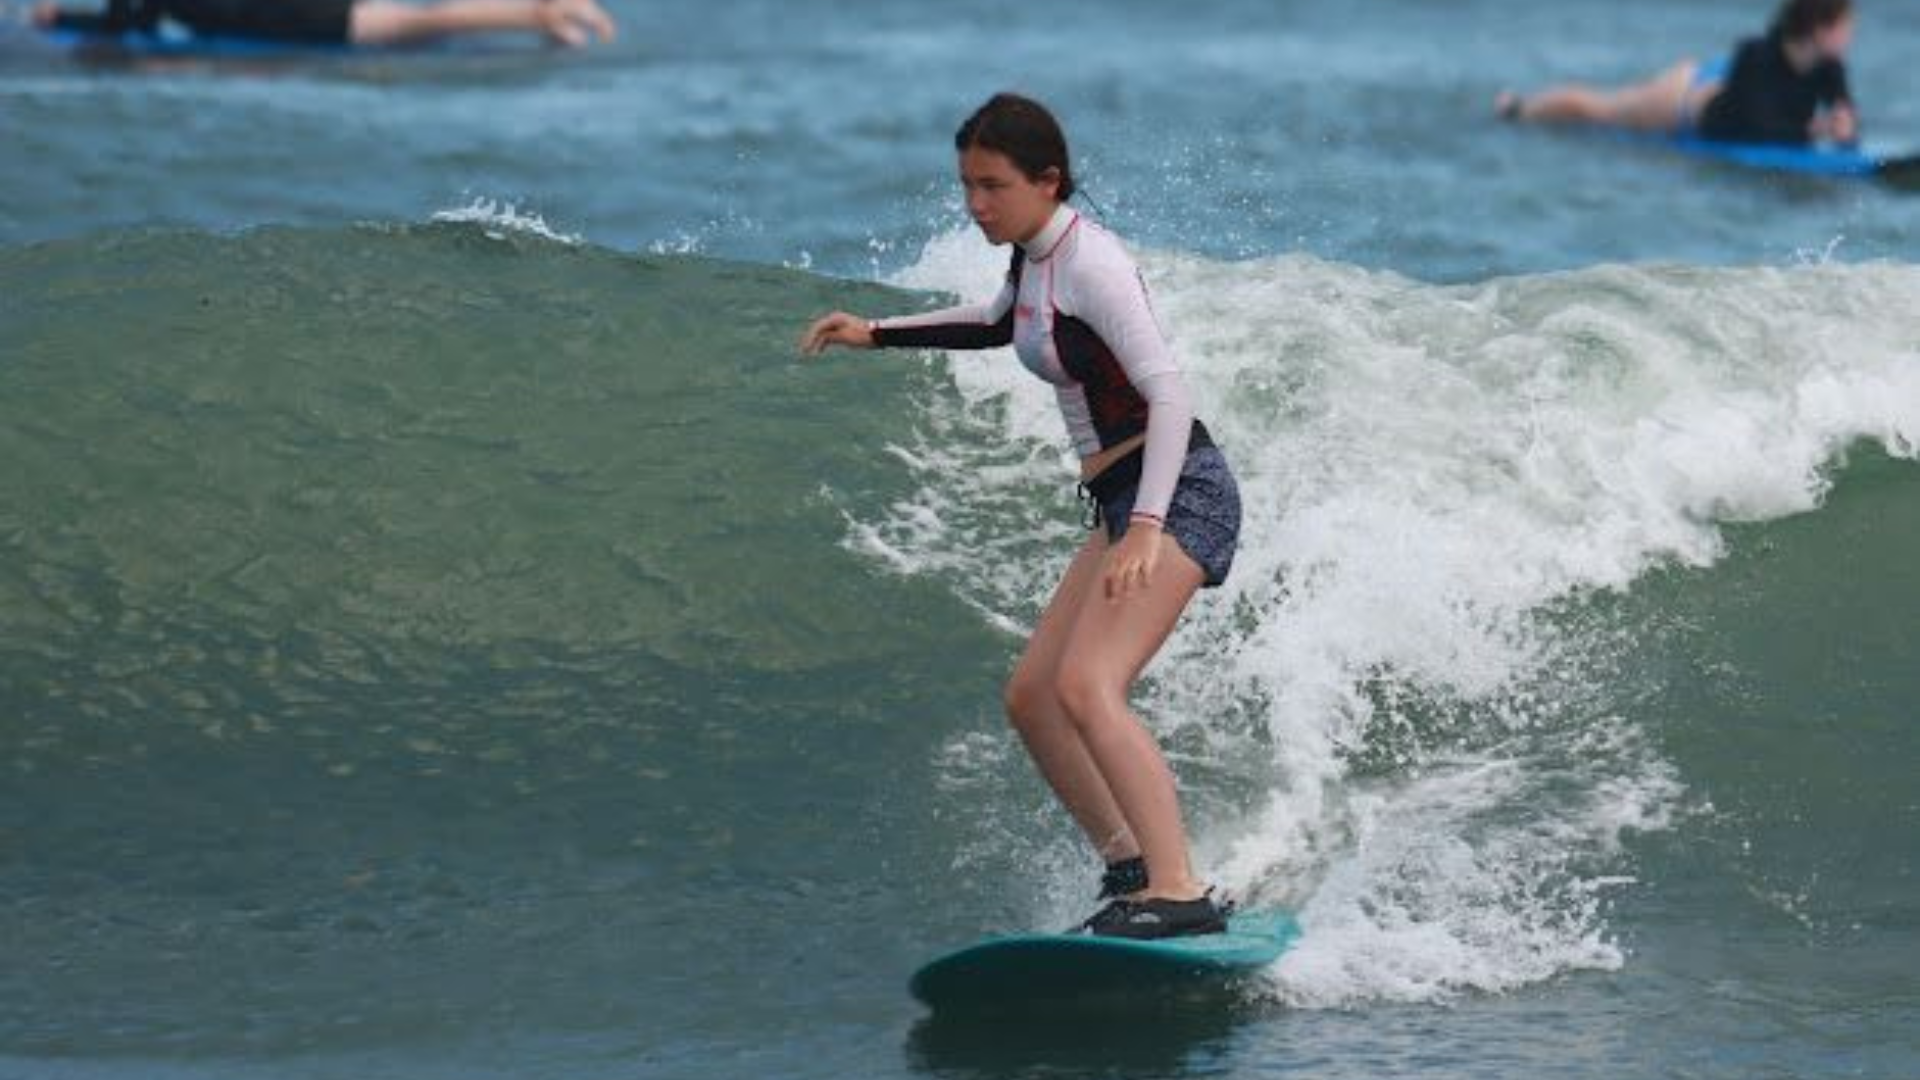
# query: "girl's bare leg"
{"type": "Point", "coordinates": [1110, 643]}
{"type": "Point", "coordinates": [1659, 104]}
{"type": "Point", "coordinates": [1034, 707]}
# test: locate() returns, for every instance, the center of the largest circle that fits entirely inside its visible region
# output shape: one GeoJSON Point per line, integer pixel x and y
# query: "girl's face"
{"type": "Point", "coordinates": [1835, 38]}
{"type": "Point", "coordinates": [1006, 204]}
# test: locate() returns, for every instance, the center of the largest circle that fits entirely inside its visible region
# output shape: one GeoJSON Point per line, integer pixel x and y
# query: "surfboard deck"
{"type": "Point", "coordinates": [1005, 972]}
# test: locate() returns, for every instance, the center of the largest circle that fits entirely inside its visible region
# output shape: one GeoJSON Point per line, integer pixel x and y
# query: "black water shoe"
{"type": "Point", "coordinates": [1123, 878]}
{"type": "Point", "coordinates": [1158, 918]}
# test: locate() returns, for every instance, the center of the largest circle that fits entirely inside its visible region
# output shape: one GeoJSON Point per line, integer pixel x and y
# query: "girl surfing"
{"type": "Point", "coordinates": [1165, 506]}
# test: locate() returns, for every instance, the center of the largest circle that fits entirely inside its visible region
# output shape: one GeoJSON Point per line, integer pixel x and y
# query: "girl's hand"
{"type": "Point", "coordinates": [838, 328]}
{"type": "Point", "coordinates": [1845, 124]}
{"type": "Point", "coordinates": [43, 14]}
{"type": "Point", "coordinates": [1131, 563]}
{"type": "Point", "coordinates": [1839, 124]}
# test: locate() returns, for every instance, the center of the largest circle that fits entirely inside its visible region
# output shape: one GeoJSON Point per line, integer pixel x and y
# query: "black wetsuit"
{"type": "Point", "coordinates": [318, 21]}
{"type": "Point", "coordinates": [1764, 100]}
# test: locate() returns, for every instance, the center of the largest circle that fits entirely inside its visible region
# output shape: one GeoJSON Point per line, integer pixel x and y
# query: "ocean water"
{"type": "Point", "coordinates": [445, 631]}
{"type": "Point", "coordinates": [818, 134]}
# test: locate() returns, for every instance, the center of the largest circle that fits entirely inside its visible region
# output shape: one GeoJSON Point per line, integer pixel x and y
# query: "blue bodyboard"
{"type": "Point", "coordinates": [1835, 161]}
{"type": "Point", "coordinates": [1831, 162]}
{"type": "Point", "coordinates": [1026, 969]}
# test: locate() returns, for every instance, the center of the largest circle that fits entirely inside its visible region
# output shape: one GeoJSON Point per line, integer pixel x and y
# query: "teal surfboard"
{"type": "Point", "coordinates": [1007, 972]}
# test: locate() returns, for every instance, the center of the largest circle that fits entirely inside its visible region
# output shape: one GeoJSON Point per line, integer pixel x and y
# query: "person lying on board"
{"type": "Point", "coordinates": [341, 22]}
{"type": "Point", "coordinates": [1788, 87]}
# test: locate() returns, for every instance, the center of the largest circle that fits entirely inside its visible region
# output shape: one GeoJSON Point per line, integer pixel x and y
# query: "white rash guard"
{"type": "Point", "coordinates": [1076, 312]}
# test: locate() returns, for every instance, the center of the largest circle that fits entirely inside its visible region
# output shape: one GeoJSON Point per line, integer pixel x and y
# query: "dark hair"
{"type": "Point", "coordinates": [1799, 19]}
{"type": "Point", "coordinates": [1025, 131]}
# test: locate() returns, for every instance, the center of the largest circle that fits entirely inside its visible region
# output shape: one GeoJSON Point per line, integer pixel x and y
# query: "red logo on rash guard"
{"type": "Point", "coordinates": [1023, 311]}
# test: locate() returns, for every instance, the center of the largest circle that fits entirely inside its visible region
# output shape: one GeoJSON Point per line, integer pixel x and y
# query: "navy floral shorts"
{"type": "Point", "coordinates": [1204, 518]}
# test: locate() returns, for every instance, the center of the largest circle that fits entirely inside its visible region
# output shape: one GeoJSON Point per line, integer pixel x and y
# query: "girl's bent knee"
{"type": "Point", "coordinates": [1089, 697]}
{"type": "Point", "coordinates": [1027, 700]}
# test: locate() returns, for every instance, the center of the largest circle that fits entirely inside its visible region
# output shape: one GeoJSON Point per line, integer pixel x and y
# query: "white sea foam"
{"type": "Point", "coordinates": [496, 218]}
{"type": "Point", "coordinates": [1430, 473]}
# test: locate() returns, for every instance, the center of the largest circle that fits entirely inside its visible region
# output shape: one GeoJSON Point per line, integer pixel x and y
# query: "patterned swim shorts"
{"type": "Point", "coordinates": [1204, 518]}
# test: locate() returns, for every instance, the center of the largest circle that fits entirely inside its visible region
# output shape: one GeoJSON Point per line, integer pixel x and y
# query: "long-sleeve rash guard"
{"type": "Point", "coordinates": [1076, 312]}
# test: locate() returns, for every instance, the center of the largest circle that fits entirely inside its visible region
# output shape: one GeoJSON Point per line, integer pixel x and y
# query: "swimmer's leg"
{"type": "Point", "coordinates": [392, 22]}
{"type": "Point", "coordinates": [1659, 103]}
{"type": "Point", "coordinates": [1558, 105]}
{"type": "Point", "coordinates": [1654, 105]}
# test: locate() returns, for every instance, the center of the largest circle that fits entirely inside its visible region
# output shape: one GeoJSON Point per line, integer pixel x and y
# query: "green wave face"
{"type": "Point", "coordinates": [430, 437]}
{"type": "Point", "coordinates": [358, 588]}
